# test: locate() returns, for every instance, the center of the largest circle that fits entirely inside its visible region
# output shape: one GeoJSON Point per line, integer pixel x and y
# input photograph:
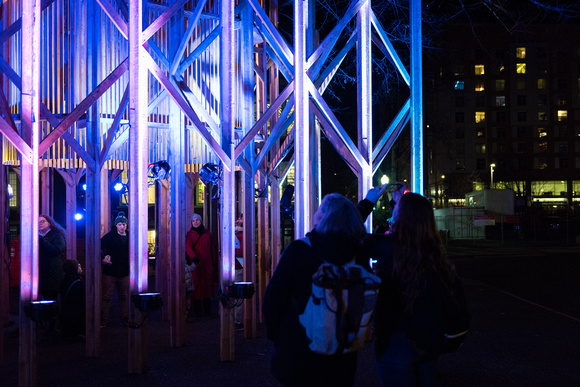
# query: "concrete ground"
{"type": "Point", "coordinates": [525, 331]}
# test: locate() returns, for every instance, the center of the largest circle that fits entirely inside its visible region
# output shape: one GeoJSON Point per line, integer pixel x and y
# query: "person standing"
{"type": "Point", "coordinates": [72, 295]}
{"type": "Point", "coordinates": [51, 256]}
{"type": "Point", "coordinates": [198, 246]}
{"type": "Point", "coordinates": [115, 273]}
{"type": "Point", "coordinates": [336, 237]}
{"type": "Point", "coordinates": [411, 262]}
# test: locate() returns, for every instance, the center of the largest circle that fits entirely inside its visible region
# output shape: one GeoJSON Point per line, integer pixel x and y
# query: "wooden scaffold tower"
{"type": "Point", "coordinates": [95, 89]}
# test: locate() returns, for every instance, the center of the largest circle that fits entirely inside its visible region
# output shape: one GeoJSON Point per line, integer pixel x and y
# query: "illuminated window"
{"type": "Point", "coordinates": [500, 84]}
{"type": "Point", "coordinates": [479, 86]}
{"type": "Point", "coordinates": [480, 149]}
{"type": "Point", "coordinates": [562, 115]}
{"type": "Point", "coordinates": [542, 147]}
{"type": "Point", "coordinates": [479, 69]}
{"type": "Point", "coordinates": [542, 84]}
{"type": "Point", "coordinates": [480, 133]}
{"type": "Point", "coordinates": [458, 70]}
{"type": "Point", "coordinates": [521, 84]}
{"type": "Point", "coordinates": [542, 116]}
{"type": "Point", "coordinates": [459, 85]}
{"type": "Point", "coordinates": [540, 163]}
{"type": "Point", "coordinates": [521, 68]}
{"type": "Point", "coordinates": [479, 117]}
{"type": "Point", "coordinates": [561, 100]}
{"type": "Point", "coordinates": [500, 100]}
{"type": "Point", "coordinates": [521, 52]}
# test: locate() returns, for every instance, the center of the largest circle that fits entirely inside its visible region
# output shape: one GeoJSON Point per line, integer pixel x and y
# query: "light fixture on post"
{"type": "Point", "coordinates": [236, 293]}
{"type": "Point", "coordinates": [210, 173]}
{"type": "Point", "coordinates": [41, 311]}
{"type": "Point", "coordinates": [491, 169]}
{"type": "Point", "coordinates": [145, 303]}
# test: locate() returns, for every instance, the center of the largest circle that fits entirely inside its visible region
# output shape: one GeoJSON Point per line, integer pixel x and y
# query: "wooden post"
{"type": "Point", "coordinates": [138, 201]}
{"type": "Point", "coordinates": [30, 131]}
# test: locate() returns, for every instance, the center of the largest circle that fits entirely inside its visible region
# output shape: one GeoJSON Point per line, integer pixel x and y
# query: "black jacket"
{"type": "Point", "coordinates": [51, 255]}
{"type": "Point", "coordinates": [285, 299]}
{"type": "Point", "coordinates": [117, 247]}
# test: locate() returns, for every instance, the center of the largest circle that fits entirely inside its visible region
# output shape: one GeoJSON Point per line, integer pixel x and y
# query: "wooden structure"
{"type": "Point", "coordinates": [94, 86]}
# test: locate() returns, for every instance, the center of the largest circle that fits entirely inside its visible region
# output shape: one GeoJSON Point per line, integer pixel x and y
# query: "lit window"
{"type": "Point", "coordinates": [521, 52]}
{"type": "Point", "coordinates": [479, 86]}
{"type": "Point", "coordinates": [459, 85]}
{"type": "Point", "coordinates": [542, 116]}
{"type": "Point", "coordinates": [542, 146]}
{"type": "Point", "coordinates": [480, 149]}
{"type": "Point", "coordinates": [479, 69]}
{"type": "Point", "coordinates": [562, 115]}
{"type": "Point", "coordinates": [521, 68]}
{"type": "Point", "coordinates": [500, 84]}
{"type": "Point", "coordinates": [479, 117]}
{"type": "Point", "coordinates": [500, 100]}
{"type": "Point", "coordinates": [542, 84]}
{"type": "Point", "coordinates": [481, 133]}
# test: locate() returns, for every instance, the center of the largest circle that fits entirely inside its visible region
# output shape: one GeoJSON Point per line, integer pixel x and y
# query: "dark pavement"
{"type": "Point", "coordinates": [524, 298]}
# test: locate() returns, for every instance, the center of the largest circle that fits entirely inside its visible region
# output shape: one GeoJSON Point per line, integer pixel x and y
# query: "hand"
{"type": "Point", "coordinates": [107, 260]}
{"type": "Point", "coordinates": [398, 194]}
{"type": "Point", "coordinates": [375, 193]}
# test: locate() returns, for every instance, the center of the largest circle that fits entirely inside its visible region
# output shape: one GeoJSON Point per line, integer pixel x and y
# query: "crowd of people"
{"type": "Point", "coordinates": [410, 259]}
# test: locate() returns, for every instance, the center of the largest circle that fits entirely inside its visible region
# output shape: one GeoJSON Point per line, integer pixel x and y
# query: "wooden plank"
{"type": "Point", "coordinates": [116, 19]}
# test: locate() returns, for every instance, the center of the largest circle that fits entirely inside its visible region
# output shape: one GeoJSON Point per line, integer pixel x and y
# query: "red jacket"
{"type": "Point", "coordinates": [203, 274]}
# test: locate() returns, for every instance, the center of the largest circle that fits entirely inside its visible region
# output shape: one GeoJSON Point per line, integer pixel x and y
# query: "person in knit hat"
{"type": "Point", "coordinates": [115, 273]}
{"type": "Point", "coordinates": [198, 246]}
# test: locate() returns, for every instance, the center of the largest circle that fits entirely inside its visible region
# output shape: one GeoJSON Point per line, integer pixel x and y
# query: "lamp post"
{"type": "Point", "coordinates": [491, 168]}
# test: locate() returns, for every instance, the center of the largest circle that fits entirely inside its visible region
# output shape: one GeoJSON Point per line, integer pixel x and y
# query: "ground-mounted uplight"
{"type": "Point", "coordinates": [147, 302]}
{"type": "Point", "coordinates": [41, 311]}
{"type": "Point", "coordinates": [236, 293]}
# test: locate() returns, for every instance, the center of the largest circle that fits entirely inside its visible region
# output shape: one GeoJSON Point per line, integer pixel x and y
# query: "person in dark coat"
{"type": "Point", "coordinates": [72, 296]}
{"type": "Point", "coordinates": [51, 256]}
{"type": "Point", "coordinates": [198, 246]}
{"type": "Point", "coordinates": [336, 237]}
{"type": "Point", "coordinates": [409, 262]}
{"type": "Point", "coordinates": [115, 272]}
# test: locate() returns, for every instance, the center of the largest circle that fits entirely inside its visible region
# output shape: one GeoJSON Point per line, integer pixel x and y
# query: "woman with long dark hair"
{"type": "Point", "coordinates": [411, 262]}
{"type": "Point", "coordinates": [51, 256]}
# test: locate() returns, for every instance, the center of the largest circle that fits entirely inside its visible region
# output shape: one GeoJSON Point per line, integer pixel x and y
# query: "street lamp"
{"type": "Point", "coordinates": [491, 168]}
{"type": "Point", "coordinates": [384, 179]}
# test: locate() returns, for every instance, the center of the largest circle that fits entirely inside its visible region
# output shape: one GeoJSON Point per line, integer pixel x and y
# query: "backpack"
{"type": "Point", "coordinates": [338, 314]}
{"type": "Point", "coordinates": [440, 320]}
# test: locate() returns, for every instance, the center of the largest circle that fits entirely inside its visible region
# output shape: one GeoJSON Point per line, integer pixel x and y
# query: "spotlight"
{"type": "Point", "coordinates": [10, 192]}
{"type": "Point", "coordinates": [118, 186]}
{"type": "Point", "coordinates": [84, 187]}
{"type": "Point", "coordinates": [78, 216]}
{"type": "Point", "coordinates": [147, 302]}
{"type": "Point", "coordinates": [159, 170]}
{"type": "Point", "coordinates": [39, 311]}
{"type": "Point", "coordinates": [210, 173]}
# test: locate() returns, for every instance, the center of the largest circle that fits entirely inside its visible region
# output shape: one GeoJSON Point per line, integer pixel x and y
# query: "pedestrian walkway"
{"type": "Point", "coordinates": [514, 341]}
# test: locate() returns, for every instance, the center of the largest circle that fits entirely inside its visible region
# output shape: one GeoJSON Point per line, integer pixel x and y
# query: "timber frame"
{"type": "Point", "coordinates": [91, 87]}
